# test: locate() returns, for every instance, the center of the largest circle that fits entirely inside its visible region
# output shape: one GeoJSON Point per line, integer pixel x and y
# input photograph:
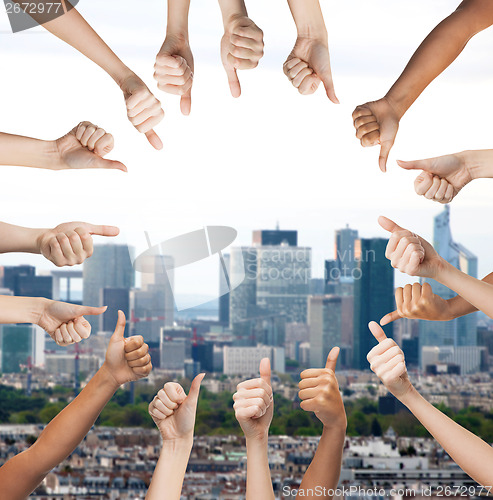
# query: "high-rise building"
{"type": "Point", "coordinates": [324, 320]}
{"type": "Point", "coordinates": [373, 296]}
{"type": "Point", "coordinates": [20, 345]}
{"type": "Point", "coordinates": [116, 299]}
{"type": "Point", "coordinates": [275, 237]}
{"type": "Point", "coordinates": [346, 251]}
{"type": "Point", "coordinates": [224, 293]}
{"type": "Point", "coordinates": [24, 282]}
{"type": "Point", "coordinates": [461, 331]}
{"type": "Point", "coordinates": [245, 361]}
{"type": "Point", "coordinates": [109, 267]}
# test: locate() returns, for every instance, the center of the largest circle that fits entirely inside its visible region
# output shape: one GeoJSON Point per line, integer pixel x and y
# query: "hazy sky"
{"type": "Point", "coordinates": [271, 155]}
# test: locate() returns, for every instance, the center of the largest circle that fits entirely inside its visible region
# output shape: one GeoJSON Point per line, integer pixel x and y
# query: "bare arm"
{"type": "Point", "coordinates": [19, 239]}
{"type": "Point", "coordinates": [439, 49]}
{"type": "Point", "coordinates": [64, 433]}
{"type": "Point", "coordinates": [308, 17]}
{"type": "Point", "coordinates": [472, 454]}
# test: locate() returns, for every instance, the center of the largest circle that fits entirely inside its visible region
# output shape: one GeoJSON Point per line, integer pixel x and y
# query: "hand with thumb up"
{"type": "Point", "coordinates": [127, 359]}
{"type": "Point", "coordinates": [254, 403]}
{"type": "Point", "coordinates": [319, 392]}
{"type": "Point", "coordinates": [173, 411]}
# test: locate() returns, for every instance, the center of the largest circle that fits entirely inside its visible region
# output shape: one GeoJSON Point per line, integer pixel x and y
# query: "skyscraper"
{"type": "Point", "coordinates": [373, 296]}
{"type": "Point", "coordinates": [460, 331]}
{"type": "Point", "coordinates": [224, 293]}
{"type": "Point", "coordinates": [109, 267]}
{"type": "Point", "coordinates": [20, 344]}
{"type": "Point", "coordinates": [324, 320]}
{"type": "Point", "coordinates": [24, 282]}
{"type": "Point", "coordinates": [345, 251]}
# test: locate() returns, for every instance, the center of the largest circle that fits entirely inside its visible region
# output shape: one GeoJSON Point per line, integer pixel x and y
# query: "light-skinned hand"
{"type": "Point", "coordinates": [71, 243]}
{"type": "Point", "coordinates": [387, 362]}
{"type": "Point", "coordinates": [173, 70]}
{"type": "Point", "coordinates": [64, 322]}
{"type": "Point", "coordinates": [84, 147]}
{"type": "Point", "coordinates": [254, 403]}
{"type": "Point", "coordinates": [127, 359]}
{"type": "Point", "coordinates": [143, 110]}
{"type": "Point", "coordinates": [319, 392]}
{"type": "Point", "coordinates": [377, 122]}
{"type": "Point", "coordinates": [441, 178]}
{"type": "Point", "coordinates": [409, 253]}
{"type": "Point", "coordinates": [308, 64]}
{"type": "Point", "coordinates": [418, 302]}
{"type": "Point", "coordinates": [173, 411]}
{"type": "Point", "coordinates": [242, 47]}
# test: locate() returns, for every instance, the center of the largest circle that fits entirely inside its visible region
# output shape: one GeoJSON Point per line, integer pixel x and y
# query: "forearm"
{"type": "Point", "coordinates": [308, 18]}
{"type": "Point", "coordinates": [439, 49]}
{"type": "Point", "coordinates": [473, 455]}
{"type": "Point", "coordinates": [178, 18]}
{"type": "Point", "coordinates": [259, 482]}
{"type": "Point", "coordinates": [325, 469]}
{"type": "Point", "coordinates": [479, 294]}
{"type": "Point", "coordinates": [19, 239]}
{"type": "Point", "coordinates": [21, 309]}
{"type": "Point", "coordinates": [60, 438]}
{"type": "Point", "coordinates": [27, 152]}
{"type": "Point", "coordinates": [231, 9]}
{"type": "Point", "coordinates": [479, 163]}
{"type": "Point", "coordinates": [167, 480]}
{"type": "Point", "coordinates": [73, 29]}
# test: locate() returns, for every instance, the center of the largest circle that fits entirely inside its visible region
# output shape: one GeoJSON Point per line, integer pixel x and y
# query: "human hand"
{"type": "Point", "coordinates": [84, 147]}
{"type": "Point", "coordinates": [254, 403]}
{"type": "Point", "coordinates": [65, 323]}
{"type": "Point", "coordinates": [410, 253]}
{"type": "Point", "coordinates": [377, 122]}
{"type": "Point", "coordinates": [70, 243]}
{"type": "Point", "coordinates": [143, 109]}
{"type": "Point", "coordinates": [308, 64]}
{"type": "Point", "coordinates": [418, 302]}
{"type": "Point", "coordinates": [319, 392]}
{"type": "Point", "coordinates": [127, 359]}
{"type": "Point", "coordinates": [173, 411]}
{"type": "Point", "coordinates": [242, 47]}
{"type": "Point", "coordinates": [387, 362]}
{"type": "Point", "coordinates": [441, 178]}
{"type": "Point", "coordinates": [173, 70]}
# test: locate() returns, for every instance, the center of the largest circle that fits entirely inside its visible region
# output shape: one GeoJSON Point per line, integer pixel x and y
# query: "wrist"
{"type": "Point", "coordinates": [36, 307]}
{"type": "Point", "coordinates": [48, 155]}
{"type": "Point", "coordinates": [479, 164]}
{"type": "Point", "coordinates": [175, 445]}
{"type": "Point", "coordinates": [261, 438]}
{"type": "Point", "coordinates": [309, 19]}
{"type": "Point", "coordinates": [122, 76]}
{"type": "Point", "coordinates": [409, 396]}
{"type": "Point", "coordinates": [109, 377]}
{"type": "Point", "coordinates": [336, 427]}
{"type": "Point", "coordinates": [398, 103]}
{"type": "Point", "coordinates": [232, 10]}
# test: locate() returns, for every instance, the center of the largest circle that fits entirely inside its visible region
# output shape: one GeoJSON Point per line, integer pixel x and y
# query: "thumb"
{"type": "Point", "coordinates": [234, 83]}
{"type": "Point", "coordinates": [109, 164]}
{"type": "Point", "coordinates": [186, 103]}
{"type": "Point", "coordinates": [389, 225]}
{"type": "Point", "coordinates": [332, 359]}
{"type": "Point", "coordinates": [119, 332]}
{"type": "Point", "coordinates": [385, 148]}
{"type": "Point", "coordinates": [329, 87]}
{"type": "Point", "coordinates": [90, 311]}
{"type": "Point", "coordinates": [265, 371]}
{"type": "Point", "coordinates": [426, 165]}
{"type": "Point", "coordinates": [388, 318]}
{"type": "Point", "coordinates": [193, 394]}
{"type": "Point", "coordinates": [154, 139]}
{"type": "Point", "coordinates": [377, 331]}
{"type": "Point", "coordinates": [100, 230]}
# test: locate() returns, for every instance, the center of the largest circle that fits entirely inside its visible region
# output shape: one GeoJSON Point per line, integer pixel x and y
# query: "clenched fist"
{"type": "Point", "coordinates": [143, 109]}
{"type": "Point", "coordinates": [173, 411]}
{"type": "Point", "coordinates": [377, 123]}
{"type": "Point", "coordinates": [319, 392]}
{"type": "Point", "coordinates": [173, 70]}
{"type": "Point", "coordinates": [254, 403]}
{"type": "Point", "coordinates": [71, 243]}
{"type": "Point", "coordinates": [242, 47]}
{"type": "Point", "coordinates": [387, 362]}
{"type": "Point", "coordinates": [84, 147]}
{"type": "Point", "coordinates": [308, 65]}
